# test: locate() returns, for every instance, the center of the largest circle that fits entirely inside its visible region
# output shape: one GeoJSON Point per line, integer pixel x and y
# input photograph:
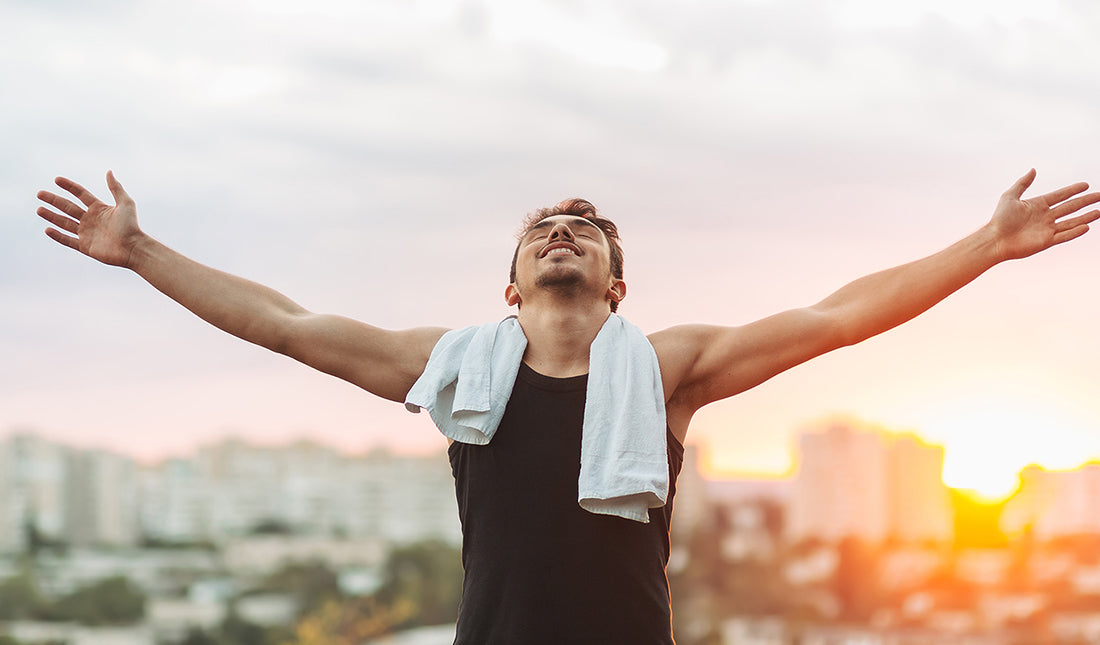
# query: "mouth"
{"type": "Point", "coordinates": [560, 248]}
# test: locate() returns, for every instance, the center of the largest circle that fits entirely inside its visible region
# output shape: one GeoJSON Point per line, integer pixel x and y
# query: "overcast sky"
{"type": "Point", "coordinates": [375, 159]}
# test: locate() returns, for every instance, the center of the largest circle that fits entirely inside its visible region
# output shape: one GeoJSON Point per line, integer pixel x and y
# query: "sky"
{"type": "Point", "coordinates": [375, 160]}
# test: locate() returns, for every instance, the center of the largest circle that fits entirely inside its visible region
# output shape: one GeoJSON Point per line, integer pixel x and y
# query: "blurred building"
{"type": "Point", "coordinates": [101, 499]}
{"type": "Point", "coordinates": [173, 501]}
{"type": "Point", "coordinates": [11, 535]}
{"type": "Point", "coordinates": [692, 495]}
{"type": "Point", "coordinates": [919, 503]}
{"type": "Point", "coordinates": [51, 492]}
{"type": "Point", "coordinates": [57, 493]}
{"type": "Point", "coordinates": [32, 490]}
{"type": "Point", "coordinates": [1055, 503]}
{"type": "Point", "coordinates": [234, 488]}
{"type": "Point", "coordinates": [841, 488]}
{"type": "Point", "coordinates": [402, 498]}
{"type": "Point", "coordinates": [869, 485]}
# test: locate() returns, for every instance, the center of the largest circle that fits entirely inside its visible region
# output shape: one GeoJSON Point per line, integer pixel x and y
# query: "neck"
{"type": "Point", "coordinates": [559, 338]}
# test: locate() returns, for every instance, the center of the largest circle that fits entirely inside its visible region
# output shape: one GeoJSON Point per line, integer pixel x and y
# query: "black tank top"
{"type": "Point", "coordinates": [538, 567]}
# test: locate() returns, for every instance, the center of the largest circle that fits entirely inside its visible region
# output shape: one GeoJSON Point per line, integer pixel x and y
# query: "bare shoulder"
{"type": "Point", "coordinates": [677, 346]}
{"type": "Point", "coordinates": [678, 349]}
{"type": "Point", "coordinates": [701, 364]}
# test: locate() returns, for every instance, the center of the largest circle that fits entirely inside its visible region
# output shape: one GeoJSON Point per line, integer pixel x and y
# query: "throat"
{"type": "Point", "coordinates": [559, 339]}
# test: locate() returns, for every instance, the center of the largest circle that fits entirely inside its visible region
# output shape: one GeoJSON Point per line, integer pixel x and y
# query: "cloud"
{"type": "Point", "coordinates": [374, 158]}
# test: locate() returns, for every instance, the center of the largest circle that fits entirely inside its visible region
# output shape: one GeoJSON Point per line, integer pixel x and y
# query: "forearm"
{"type": "Point", "coordinates": [238, 306]}
{"type": "Point", "coordinates": [880, 301]}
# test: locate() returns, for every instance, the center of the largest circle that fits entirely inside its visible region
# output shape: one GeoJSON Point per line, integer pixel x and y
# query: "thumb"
{"type": "Point", "coordinates": [1022, 184]}
{"type": "Point", "coordinates": [116, 189]}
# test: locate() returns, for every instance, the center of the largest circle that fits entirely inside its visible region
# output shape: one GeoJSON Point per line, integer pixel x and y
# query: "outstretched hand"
{"type": "Point", "coordinates": [98, 230]}
{"type": "Point", "coordinates": [1026, 226]}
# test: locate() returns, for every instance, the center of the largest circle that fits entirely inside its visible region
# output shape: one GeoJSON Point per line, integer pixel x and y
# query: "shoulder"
{"type": "Point", "coordinates": [681, 345]}
{"type": "Point", "coordinates": [680, 338]}
{"type": "Point", "coordinates": [678, 348]}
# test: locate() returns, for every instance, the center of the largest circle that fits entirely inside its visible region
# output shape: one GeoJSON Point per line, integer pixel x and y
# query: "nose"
{"type": "Point", "coordinates": [560, 232]}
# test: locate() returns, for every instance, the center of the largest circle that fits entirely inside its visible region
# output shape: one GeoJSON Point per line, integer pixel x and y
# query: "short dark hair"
{"type": "Point", "coordinates": [579, 208]}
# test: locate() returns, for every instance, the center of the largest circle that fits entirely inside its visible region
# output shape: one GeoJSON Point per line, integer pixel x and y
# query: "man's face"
{"type": "Point", "coordinates": [566, 253]}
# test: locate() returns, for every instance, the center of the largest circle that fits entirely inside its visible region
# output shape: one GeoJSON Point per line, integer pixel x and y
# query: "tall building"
{"type": "Point", "coordinates": [101, 499]}
{"type": "Point", "coordinates": [232, 487]}
{"type": "Point", "coordinates": [172, 504]}
{"type": "Point", "coordinates": [400, 498]}
{"type": "Point", "coordinates": [869, 485]}
{"type": "Point", "coordinates": [841, 487]}
{"type": "Point", "coordinates": [11, 512]}
{"type": "Point", "coordinates": [229, 489]}
{"type": "Point", "coordinates": [1076, 509]}
{"type": "Point", "coordinates": [920, 506]}
{"type": "Point", "coordinates": [692, 495]}
{"type": "Point", "coordinates": [1055, 503]}
{"type": "Point", "coordinates": [33, 490]}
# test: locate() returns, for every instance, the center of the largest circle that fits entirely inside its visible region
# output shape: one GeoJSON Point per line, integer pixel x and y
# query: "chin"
{"type": "Point", "coordinates": [561, 278]}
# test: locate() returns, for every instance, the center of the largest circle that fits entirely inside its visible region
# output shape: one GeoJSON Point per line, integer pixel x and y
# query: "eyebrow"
{"type": "Point", "coordinates": [546, 223]}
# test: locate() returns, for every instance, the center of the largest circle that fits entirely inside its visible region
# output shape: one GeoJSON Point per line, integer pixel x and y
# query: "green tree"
{"type": "Point", "coordinates": [196, 636]}
{"type": "Point", "coordinates": [429, 575]}
{"type": "Point", "coordinates": [111, 601]}
{"type": "Point", "coordinates": [238, 631]}
{"type": "Point", "coordinates": [312, 582]}
{"type": "Point", "coordinates": [18, 597]}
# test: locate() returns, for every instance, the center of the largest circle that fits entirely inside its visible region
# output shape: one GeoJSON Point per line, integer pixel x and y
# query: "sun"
{"type": "Point", "coordinates": [990, 433]}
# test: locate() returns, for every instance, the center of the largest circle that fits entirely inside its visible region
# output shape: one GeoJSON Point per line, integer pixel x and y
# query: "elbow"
{"type": "Point", "coordinates": [835, 329]}
{"type": "Point", "coordinates": [277, 333]}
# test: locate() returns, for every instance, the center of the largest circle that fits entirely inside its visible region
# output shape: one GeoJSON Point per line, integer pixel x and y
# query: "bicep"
{"type": "Point", "coordinates": [710, 363]}
{"type": "Point", "coordinates": [383, 362]}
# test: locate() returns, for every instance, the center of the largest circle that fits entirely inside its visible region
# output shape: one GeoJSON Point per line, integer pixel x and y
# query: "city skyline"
{"type": "Point", "coordinates": [375, 160]}
{"type": "Point", "coordinates": [820, 428]}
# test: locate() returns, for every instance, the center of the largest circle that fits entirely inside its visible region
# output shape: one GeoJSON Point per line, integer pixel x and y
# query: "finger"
{"type": "Point", "coordinates": [1074, 222]}
{"type": "Point", "coordinates": [1072, 233]}
{"type": "Point", "coordinates": [1017, 189]}
{"type": "Point", "coordinates": [78, 191]}
{"type": "Point", "coordinates": [57, 219]}
{"type": "Point", "coordinates": [116, 189]}
{"type": "Point", "coordinates": [1064, 193]}
{"type": "Point", "coordinates": [1075, 205]}
{"type": "Point", "coordinates": [61, 204]}
{"type": "Point", "coordinates": [67, 240]}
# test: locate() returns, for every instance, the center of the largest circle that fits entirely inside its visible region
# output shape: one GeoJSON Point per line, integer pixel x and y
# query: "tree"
{"type": "Point", "coordinates": [18, 597]}
{"type": "Point", "coordinates": [312, 582]}
{"type": "Point", "coordinates": [110, 601]}
{"type": "Point", "coordinates": [350, 622]}
{"type": "Point", "coordinates": [429, 575]}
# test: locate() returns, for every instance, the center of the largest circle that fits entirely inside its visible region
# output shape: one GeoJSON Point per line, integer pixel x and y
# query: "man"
{"type": "Point", "coordinates": [539, 568]}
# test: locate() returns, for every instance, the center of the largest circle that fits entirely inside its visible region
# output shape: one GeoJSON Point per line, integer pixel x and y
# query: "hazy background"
{"type": "Point", "coordinates": [374, 159]}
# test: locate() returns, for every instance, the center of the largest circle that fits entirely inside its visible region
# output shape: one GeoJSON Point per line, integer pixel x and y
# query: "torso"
{"type": "Point", "coordinates": [538, 567]}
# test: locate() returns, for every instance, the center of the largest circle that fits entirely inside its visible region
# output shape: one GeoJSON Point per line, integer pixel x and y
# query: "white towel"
{"type": "Point", "coordinates": [624, 452]}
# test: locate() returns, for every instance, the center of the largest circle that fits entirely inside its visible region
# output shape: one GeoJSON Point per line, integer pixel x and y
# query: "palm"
{"type": "Point", "coordinates": [1025, 227]}
{"type": "Point", "coordinates": [106, 233]}
{"type": "Point", "coordinates": [103, 230]}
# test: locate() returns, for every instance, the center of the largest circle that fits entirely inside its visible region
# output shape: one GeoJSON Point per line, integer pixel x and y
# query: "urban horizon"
{"type": "Point", "coordinates": [707, 469]}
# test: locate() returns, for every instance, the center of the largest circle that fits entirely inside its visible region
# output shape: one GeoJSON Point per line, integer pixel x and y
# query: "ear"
{"type": "Point", "coordinates": [617, 291]}
{"type": "Point", "coordinates": [511, 295]}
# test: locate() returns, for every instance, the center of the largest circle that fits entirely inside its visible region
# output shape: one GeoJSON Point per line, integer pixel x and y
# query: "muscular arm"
{"type": "Point", "coordinates": [702, 364]}
{"type": "Point", "coordinates": [385, 363]}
